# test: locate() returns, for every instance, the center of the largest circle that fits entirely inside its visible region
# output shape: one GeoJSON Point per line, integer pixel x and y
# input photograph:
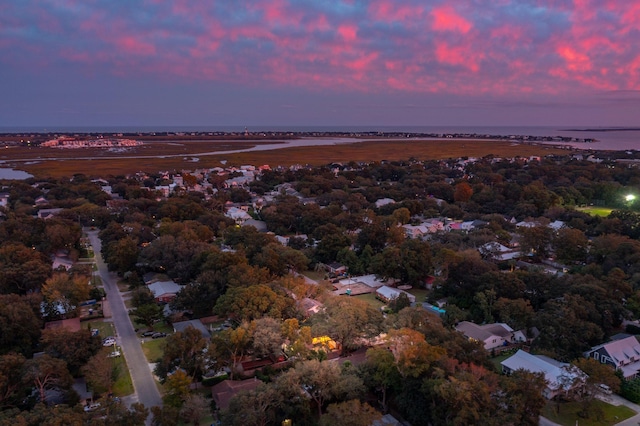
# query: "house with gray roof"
{"type": "Point", "coordinates": [164, 291]}
{"type": "Point", "coordinates": [623, 355]}
{"type": "Point", "coordinates": [197, 324]}
{"type": "Point", "coordinates": [490, 335]}
{"type": "Point", "coordinates": [387, 294]}
{"type": "Point", "coordinates": [561, 377]}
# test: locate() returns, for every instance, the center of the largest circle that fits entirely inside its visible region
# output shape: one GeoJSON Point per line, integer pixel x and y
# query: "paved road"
{"type": "Point", "coordinates": [144, 384]}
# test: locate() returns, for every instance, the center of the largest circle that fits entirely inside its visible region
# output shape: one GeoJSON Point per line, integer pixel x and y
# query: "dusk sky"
{"type": "Point", "coordinates": [319, 63]}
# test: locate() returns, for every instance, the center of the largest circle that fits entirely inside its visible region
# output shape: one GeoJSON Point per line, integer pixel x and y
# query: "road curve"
{"type": "Point", "coordinates": [144, 383]}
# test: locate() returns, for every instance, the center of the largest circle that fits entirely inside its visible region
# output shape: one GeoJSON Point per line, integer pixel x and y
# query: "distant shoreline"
{"type": "Point", "coordinates": [605, 129]}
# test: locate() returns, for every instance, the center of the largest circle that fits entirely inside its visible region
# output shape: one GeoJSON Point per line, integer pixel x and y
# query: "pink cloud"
{"type": "Point", "coordinates": [348, 32]}
{"type": "Point", "coordinates": [134, 46]}
{"type": "Point", "coordinates": [445, 18]}
{"type": "Point", "coordinates": [576, 61]}
{"type": "Point", "coordinates": [389, 11]}
{"type": "Point", "coordinates": [456, 55]}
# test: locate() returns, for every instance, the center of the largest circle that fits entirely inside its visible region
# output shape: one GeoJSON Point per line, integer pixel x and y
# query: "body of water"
{"type": "Point", "coordinates": [14, 174]}
{"type": "Point", "coordinates": [606, 138]}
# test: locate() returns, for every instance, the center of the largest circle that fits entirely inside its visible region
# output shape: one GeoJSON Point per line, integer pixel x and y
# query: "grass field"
{"type": "Point", "coordinates": [568, 415]}
{"type": "Point", "coordinates": [153, 349]}
{"type": "Point", "coordinates": [105, 328]}
{"type": "Point", "coordinates": [370, 298]}
{"type": "Point", "coordinates": [55, 162]}
{"type": "Point", "coordinates": [123, 385]}
{"type": "Point", "coordinates": [596, 211]}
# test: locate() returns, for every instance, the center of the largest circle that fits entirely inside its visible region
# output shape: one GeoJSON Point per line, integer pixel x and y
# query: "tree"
{"type": "Point", "coordinates": [73, 347]}
{"type": "Point", "coordinates": [66, 291]}
{"type": "Point", "coordinates": [321, 381]}
{"type": "Point", "coordinates": [194, 408]}
{"type": "Point", "coordinates": [45, 373]}
{"type": "Point", "coordinates": [11, 370]}
{"type": "Point", "coordinates": [121, 255]}
{"type": "Point", "coordinates": [22, 269]}
{"type": "Point", "coordinates": [19, 324]}
{"type": "Point", "coordinates": [413, 355]}
{"type": "Point", "coordinates": [522, 394]}
{"type": "Point", "coordinates": [570, 245]}
{"type": "Point", "coordinates": [350, 319]}
{"type": "Point", "coordinates": [148, 314]}
{"type": "Point", "coordinates": [230, 346]}
{"type": "Point", "coordinates": [185, 350]}
{"type": "Point", "coordinates": [536, 240]}
{"type": "Point", "coordinates": [597, 374]}
{"type": "Point", "coordinates": [462, 192]}
{"type": "Point", "coordinates": [101, 373]}
{"type": "Point", "coordinates": [380, 373]}
{"type": "Point", "coordinates": [267, 337]}
{"type": "Point", "coordinates": [256, 301]}
{"type": "Point", "coordinates": [177, 389]}
{"type": "Point", "coordinates": [350, 413]}
{"type": "Point", "coordinates": [254, 408]}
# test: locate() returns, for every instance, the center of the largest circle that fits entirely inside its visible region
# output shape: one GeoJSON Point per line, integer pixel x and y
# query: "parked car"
{"type": "Point", "coordinates": [148, 333]}
{"type": "Point", "coordinates": [109, 341]}
{"type": "Point", "coordinates": [158, 335]}
{"type": "Point", "coordinates": [91, 407]}
{"type": "Point", "coordinates": [114, 354]}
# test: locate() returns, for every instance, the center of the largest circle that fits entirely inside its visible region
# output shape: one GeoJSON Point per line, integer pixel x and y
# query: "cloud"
{"type": "Point", "coordinates": [384, 46]}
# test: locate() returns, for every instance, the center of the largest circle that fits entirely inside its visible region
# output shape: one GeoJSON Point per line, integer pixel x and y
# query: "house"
{"type": "Point", "coordinates": [387, 294]}
{"type": "Point", "coordinates": [495, 250]}
{"type": "Point", "coordinates": [197, 324]}
{"type": "Point", "coordinates": [164, 291]}
{"type": "Point", "coordinates": [491, 335]}
{"type": "Point", "coordinates": [561, 377]}
{"type": "Point", "coordinates": [237, 214]}
{"type": "Point", "coordinates": [48, 213]}
{"type": "Point", "coordinates": [623, 355]}
{"type": "Point", "coordinates": [4, 199]}
{"type": "Point", "coordinates": [260, 225]}
{"type": "Point", "coordinates": [383, 202]}
{"type": "Point", "coordinates": [227, 389]}
{"type": "Point", "coordinates": [336, 268]}
{"type": "Point", "coordinates": [309, 306]}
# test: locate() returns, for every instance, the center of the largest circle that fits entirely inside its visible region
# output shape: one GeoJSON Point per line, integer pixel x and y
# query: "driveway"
{"type": "Point", "coordinates": [144, 384]}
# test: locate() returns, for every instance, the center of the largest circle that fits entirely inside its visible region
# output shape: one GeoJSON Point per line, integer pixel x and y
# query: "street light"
{"type": "Point", "coordinates": [630, 198]}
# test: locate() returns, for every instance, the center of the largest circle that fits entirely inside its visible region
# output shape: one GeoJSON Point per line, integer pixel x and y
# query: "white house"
{"type": "Point", "coordinates": [237, 214]}
{"type": "Point", "coordinates": [561, 377]}
{"type": "Point", "coordinates": [387, 294]}
{"type": "Point", "coordinates": [491, 335]}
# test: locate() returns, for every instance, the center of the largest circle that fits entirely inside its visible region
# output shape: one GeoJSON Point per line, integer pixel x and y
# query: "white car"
{"type": "Point", "coordinates": [109, 341]}
{"type": "Point", "coordinates": [114, 354]}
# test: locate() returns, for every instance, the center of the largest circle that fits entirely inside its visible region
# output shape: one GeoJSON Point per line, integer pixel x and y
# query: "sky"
{"type": "Point", "coordinates": [319, 63]}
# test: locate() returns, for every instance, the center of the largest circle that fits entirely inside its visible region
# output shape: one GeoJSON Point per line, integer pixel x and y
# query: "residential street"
{"type": "Point", "coordinates": [146, 390]}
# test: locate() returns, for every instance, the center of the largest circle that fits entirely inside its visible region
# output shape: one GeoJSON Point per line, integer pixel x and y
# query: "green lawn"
{"type": "Point", "coordinates": [106, 328]}
{"type": "Point", "coordinates": [419, 293]}
{"type": "Point", "coordinates": [123, 385]}
{"type": "Point", "coordinates": [596, 211]}
{"type": "Point", "coordinates": [568, 416]}
{"type": "Point", "coordinates": [370, 298]}
{"type": "Point", "coordinates": [498, 359]}
{"type": "Point", "coordinates": [153, 348]}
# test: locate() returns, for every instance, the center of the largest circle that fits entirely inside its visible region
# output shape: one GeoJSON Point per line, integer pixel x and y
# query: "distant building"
{"type": "Point", "coordinates": [387, 294]}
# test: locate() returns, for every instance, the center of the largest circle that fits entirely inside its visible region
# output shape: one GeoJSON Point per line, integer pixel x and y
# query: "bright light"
{"type": "Point", "coordinates": [630, 197]}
